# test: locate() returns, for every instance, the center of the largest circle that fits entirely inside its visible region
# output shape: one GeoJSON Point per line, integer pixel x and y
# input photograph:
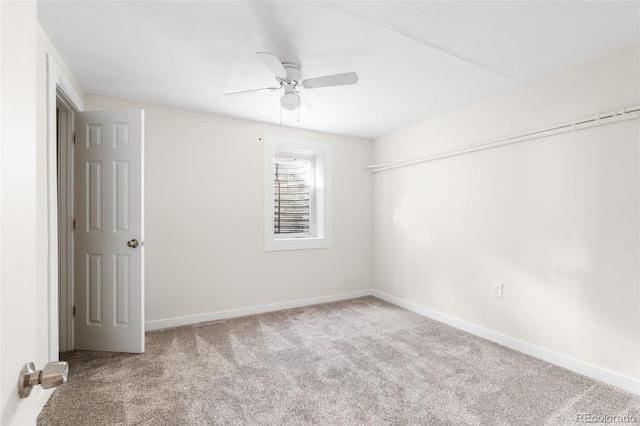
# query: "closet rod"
{"type": "Point", "coordinates": [599, 119]}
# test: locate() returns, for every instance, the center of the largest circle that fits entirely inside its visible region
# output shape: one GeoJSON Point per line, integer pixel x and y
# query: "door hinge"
{"type": "Point", "coordinates": [74, 310]}
{"type": "Point", "coordinates": [74, 224]}
{"type": "Point", "coordinates": [74, 138]}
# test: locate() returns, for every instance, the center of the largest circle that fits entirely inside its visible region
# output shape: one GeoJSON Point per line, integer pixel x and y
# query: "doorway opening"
{"type": "Point", "coordinates": [119, 294]}
{"type": "Point", "coordinates": [63, 101]}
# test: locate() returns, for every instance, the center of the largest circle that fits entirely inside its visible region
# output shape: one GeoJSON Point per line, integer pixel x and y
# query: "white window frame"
{"type": "Point", "coordinates": [320, 218]}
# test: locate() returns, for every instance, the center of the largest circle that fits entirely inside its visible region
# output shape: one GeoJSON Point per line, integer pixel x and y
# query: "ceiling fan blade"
{"type": "Point", "coordinates": [244, 92]}
{"type": "Point", "coordinates": [331, 80]}
{"type": "Point", "coordinates": [273, 63]}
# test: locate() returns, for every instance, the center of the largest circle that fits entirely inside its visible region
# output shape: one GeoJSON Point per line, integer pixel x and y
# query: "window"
{"type": "Point", "coordinates": [292, 195]}
{"type": "Point", "coordinates": [297, 193]}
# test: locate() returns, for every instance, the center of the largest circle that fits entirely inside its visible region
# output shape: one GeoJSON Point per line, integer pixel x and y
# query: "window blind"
{"type": "Point", "coordinates": [292, 196]}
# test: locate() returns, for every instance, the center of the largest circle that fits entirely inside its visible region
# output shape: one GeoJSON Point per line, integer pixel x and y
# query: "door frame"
{"type": "Point", "coordinates": [66, 172]}
{"type": "Point", "coordinates": [58, 88]}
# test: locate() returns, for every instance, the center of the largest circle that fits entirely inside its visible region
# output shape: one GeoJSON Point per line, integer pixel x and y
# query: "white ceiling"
{"type": "Point", "coordinates": [415, 59]}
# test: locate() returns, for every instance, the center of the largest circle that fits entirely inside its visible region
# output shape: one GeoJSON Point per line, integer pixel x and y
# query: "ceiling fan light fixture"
{"type": "Point", "coordinates": [290, 101]}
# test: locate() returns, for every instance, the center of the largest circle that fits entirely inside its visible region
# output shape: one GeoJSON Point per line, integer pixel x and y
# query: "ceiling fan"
{"type": "Point", "coordinates": [288, 75]}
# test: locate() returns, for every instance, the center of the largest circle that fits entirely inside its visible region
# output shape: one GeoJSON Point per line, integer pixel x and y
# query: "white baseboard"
{"type": "Point", "coordinates": [233, 313]}
{"type": "Point", "coordinates": [564, 361]}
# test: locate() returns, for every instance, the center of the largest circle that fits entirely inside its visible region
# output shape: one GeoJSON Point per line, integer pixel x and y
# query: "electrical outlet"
{"type": "Point", "coordinates": [497, 290]}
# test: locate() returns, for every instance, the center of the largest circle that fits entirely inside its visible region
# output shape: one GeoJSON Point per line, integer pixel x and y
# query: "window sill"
{"type": "Point", "coordinates": [296, 243]}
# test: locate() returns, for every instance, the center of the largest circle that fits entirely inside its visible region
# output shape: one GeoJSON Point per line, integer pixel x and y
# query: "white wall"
{"type": "Point", "coordinates": [556, 220]}
{"type": "Point", "coordinates": [18, 209]}
{"type": "Point", "coordinates": [19, 239]}
{"type": "Point", "coordinates": [23, 207]}
{"type": "Point", "coordinates": [204, 217]}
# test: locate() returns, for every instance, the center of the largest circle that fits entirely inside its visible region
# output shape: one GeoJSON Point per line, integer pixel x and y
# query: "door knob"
{"type": "Point", "coordinates": [52, 375]}
{"type": "Point", "coordinates": [133, 243]}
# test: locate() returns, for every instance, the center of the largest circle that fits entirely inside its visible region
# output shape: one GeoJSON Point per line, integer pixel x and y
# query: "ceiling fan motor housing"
{"type": "Point", "coordinates": [293, 71]}
{"type": "Point", "coordinates": [291, 99]}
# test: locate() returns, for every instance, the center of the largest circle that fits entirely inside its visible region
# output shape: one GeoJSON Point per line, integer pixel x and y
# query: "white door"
{"type": "Point", "coordinates": [109, 231]}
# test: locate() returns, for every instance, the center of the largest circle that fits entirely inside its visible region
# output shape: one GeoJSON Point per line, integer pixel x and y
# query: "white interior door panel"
{"type": "Point", "coordinates": [109, 231]}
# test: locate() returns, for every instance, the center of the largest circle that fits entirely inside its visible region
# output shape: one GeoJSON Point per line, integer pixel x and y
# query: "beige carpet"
{"type": "Point", "coordinates": [357, 362]}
